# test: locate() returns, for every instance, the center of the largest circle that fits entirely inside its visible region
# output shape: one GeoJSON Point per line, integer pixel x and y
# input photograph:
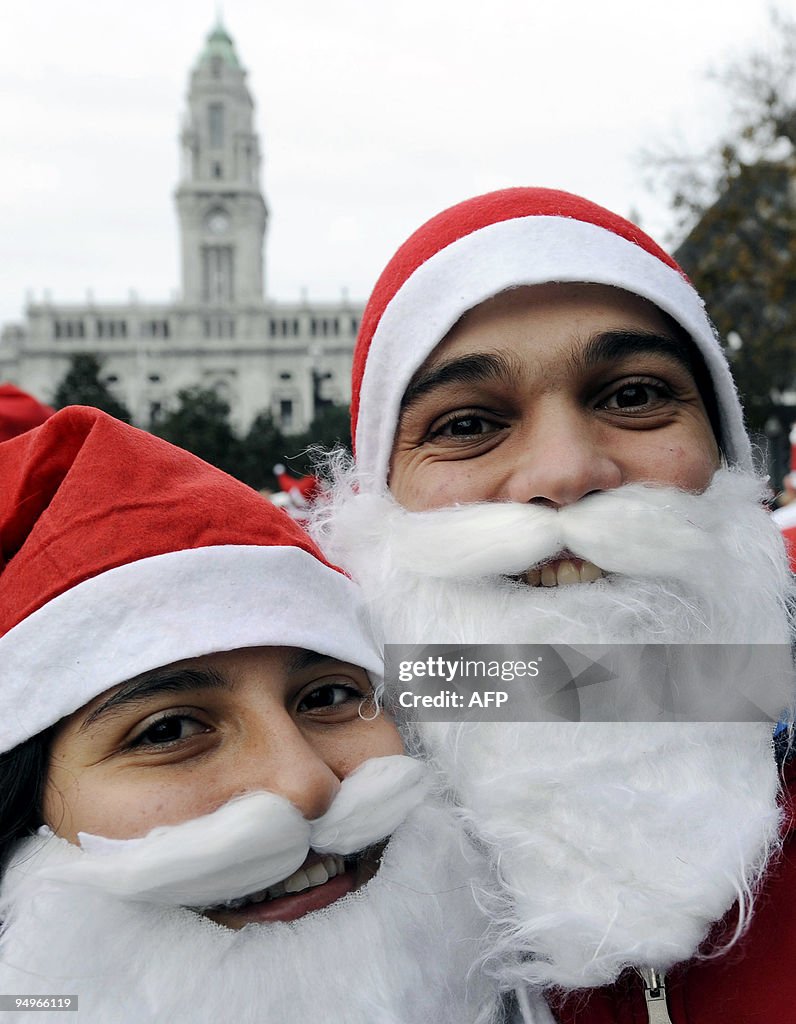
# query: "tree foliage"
{"type": "Point", "coordinates": [82, 386]}
{"type": "Point", "coordinates": [262, 448]}
{"type": "Point", "coordinates": [330, 429]}
{"type": "Point", "coordinates": [200, 424]}
{"type": "Point", "coordinates": [737, 201]}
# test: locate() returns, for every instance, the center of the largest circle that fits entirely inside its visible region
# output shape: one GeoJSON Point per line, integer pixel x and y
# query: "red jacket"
{"type": "Point", "coordinates": [753, 983]}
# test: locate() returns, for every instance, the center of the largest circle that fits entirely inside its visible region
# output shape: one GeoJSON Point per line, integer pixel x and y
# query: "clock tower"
{"type": "Point", "coordinates": [221, 209]}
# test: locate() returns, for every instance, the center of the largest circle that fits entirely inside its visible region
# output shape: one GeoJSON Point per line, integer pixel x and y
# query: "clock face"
{"type": "Point", "coordinates": [218, 222]}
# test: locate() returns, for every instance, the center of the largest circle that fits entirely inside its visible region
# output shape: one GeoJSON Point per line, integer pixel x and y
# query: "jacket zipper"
{"type": "Point", "coordinates": [655, 995]}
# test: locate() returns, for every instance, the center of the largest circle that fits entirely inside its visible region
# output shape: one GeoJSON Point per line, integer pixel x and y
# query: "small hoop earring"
{"type": "Point", "coordinates": [368, 718]}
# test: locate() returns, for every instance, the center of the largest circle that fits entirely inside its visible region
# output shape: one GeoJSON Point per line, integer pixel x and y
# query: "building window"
{"type": "Point", "coordinates": [324, 326]}
{"type": "Point", "coordinates": [354, 325]}
{"type": "Point", "coordinates": [155, 329]}
{"type": "Point", "coordinates": [154, 378]}
{"type": "Point", "coordinates": [112, 378]}
{"type": "Point", "coordinates": [284, 328]}
{"type": "Point", "coordinates": [111, 328]}
{"type": "Point", "coordinates": [285, 376]}
{"type": "Point", "coordinates": [215, 117]}
{"type": "Point", "coordinates": [218, 170]}
{"type": "Point", "coordinates": [217, 273]}
{"type": "Point", "coordinates": [219, 327]}
{"type": "Point", "coordinates": [215, 67]}
{"type": "Point", "coordinates": [286, 412]}
{"type": "Point", "coordinates": [69, 329]}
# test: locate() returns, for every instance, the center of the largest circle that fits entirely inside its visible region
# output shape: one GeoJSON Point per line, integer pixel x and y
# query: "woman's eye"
{"type": "Point", "coordinates": [169, 730]}
{"type": "Point", "coordinates": [330, 695]}
{"type": "Point", "coordinates": [634, 396]}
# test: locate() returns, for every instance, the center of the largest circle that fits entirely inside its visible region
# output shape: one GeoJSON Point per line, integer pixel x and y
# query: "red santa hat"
{"type": "Point", "coordinates": [20, 411]}
{"type": "Point", "coordinates": [302, 489]}
{"type": "Point", "coordinates": [791, 477]}
{"type": "Point", "coordinates": [120, 553]}
{"type": "Point", "coordinates": [483, 246]}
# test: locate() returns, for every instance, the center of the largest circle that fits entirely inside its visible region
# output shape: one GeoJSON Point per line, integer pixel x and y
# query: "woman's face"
{"type": "Point", "coordinates": [180, 741]}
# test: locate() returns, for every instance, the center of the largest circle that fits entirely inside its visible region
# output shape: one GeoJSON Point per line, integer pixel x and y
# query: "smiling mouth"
{"type": "Point", "coordinates": [319, 882]}
{"type": "Point", "coordinates": [561, 571]}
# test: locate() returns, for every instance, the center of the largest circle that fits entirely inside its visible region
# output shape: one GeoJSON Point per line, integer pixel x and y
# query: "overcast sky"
{"type": "Point", "coordinates": [372, 116]}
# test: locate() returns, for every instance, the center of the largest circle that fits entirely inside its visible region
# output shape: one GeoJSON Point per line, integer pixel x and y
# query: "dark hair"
{"type": "Point", "coordinates": [23, 775]}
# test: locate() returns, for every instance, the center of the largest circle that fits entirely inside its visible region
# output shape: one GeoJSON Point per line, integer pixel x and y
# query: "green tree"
{"type": "Point", "coordinates": [200, 424]}
{"type": "Point", "coordinates": [262, 448]}
{"type": "Point", "coordinates": [331, 428]}
{"type": "Point", "coordinates": [736, 205]}
{"type": "Point", "coordinates": [82, 386]}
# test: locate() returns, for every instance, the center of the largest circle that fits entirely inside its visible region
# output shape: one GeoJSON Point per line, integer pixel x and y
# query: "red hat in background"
{"type": "Point", "coordinates": [120, 553]}
{"type": "Point", "coordinates": [785, 517]}
{"type": "Point", "coordinates": [20, 411]}
{"type": "Point", "coordinates": [486, 245]}
{"type": "Point", "coordinates": [302, 490]}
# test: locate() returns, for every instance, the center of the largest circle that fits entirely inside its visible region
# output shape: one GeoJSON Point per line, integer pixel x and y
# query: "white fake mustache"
{"type": "Point", "coordinates": [616, 530]}
{"type": "Point", "coordinates": [248, 844]}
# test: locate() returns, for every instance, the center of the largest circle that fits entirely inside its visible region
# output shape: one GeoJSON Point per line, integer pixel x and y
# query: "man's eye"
{"type": "Point", "coordinates": [464, 426]}
{"type": "Point", "coordinates": [169, 729]}
{"type": "Point", "coordinates": [637, 395]}
{"type": "Point", "coordinates": [330, 695]}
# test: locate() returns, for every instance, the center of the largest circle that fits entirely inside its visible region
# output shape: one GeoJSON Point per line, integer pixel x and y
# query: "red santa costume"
{"type": "Point", "coordinates": [120, 554]}
{"type": "Point", "coordinates": [618, 844]}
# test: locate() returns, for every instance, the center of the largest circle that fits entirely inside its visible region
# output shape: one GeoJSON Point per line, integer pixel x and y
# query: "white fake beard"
{"type": "Point", "coordinates": [397, 951]}
{"type": "Point", "coordinates": [615, 843]}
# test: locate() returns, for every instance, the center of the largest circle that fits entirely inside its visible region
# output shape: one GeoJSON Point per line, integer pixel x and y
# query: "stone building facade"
{"type": "Point", "coordinates": [222, 332]}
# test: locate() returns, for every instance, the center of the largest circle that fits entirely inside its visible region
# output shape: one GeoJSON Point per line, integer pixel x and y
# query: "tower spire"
{"type": "Point", "coordinates": [221, 208]}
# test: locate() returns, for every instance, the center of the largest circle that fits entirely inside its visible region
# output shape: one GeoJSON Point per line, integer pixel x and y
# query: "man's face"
{"type": "Point", "coordinates": [536, 399]}
{"type": "Point", "coordinates": [549, 393]}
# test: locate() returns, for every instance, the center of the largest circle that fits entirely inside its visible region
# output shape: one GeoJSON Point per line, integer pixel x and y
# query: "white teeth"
{"type": "Point", "coordinates": [297, 881]}
{"type": "Point", "coordinates": [305, 878]}
{"type": "Point", "coordinates": [567, 572]}
{"type": "Point", "coordinates": [589, 572]}
{"type": "Point", "coordinates": [563, 573]}
{"type": "Point", "coordinates": [549, 578]}
{"type": "Point", "coordinates": [317, 874]}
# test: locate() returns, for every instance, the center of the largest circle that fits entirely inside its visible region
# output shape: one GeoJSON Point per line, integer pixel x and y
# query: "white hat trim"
{"type": "Point", "coordinates": [509, 254]}
{"type": "Point", "coordinates": [785, 517]}
{"type": "Point", "coordinates": [183, 604]}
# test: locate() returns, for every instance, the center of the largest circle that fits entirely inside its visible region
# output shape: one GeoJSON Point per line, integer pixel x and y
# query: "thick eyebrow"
{"type": "Point", "coordinates": [492, 366]}
{"type": "Point", "coordinates": [152, 684]}
{"type": "Point", "coordinates": [469, 369]}
{"type": "Point", "coordinates": [609, 346]}
{"type": "Point", "coordinates": [309, 659]}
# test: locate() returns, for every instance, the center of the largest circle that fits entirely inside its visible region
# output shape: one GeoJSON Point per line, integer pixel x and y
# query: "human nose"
{"type": "Point", "coordinates": [561, 458]}
{"type": "Point", "coordinates": [284, 762]}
